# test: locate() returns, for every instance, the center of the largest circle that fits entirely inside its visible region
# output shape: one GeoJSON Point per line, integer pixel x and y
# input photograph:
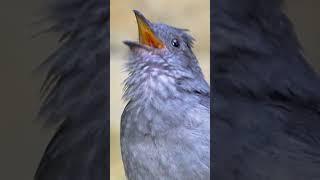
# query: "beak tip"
{"type": "Point", "coordinates": [128, 43]}
{"type": "Point", "coordinates": [136, 12]}
{"type": "Point", "coordinates": [140, 16]}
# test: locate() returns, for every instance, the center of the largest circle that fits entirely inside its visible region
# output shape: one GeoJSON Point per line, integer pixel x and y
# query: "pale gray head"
{"type": "Point", "coordinates": [162, 62]}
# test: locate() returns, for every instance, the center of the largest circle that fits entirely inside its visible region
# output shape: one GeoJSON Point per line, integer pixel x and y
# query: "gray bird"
{"type": "Point", "coordinates": [165, 126]}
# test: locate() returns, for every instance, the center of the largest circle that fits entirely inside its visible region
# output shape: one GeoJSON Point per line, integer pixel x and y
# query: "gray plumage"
{"type": "Point", "coordinates": [165, 127]}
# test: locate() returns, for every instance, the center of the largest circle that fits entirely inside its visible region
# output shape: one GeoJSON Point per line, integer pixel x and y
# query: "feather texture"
{"type": "Point", "coordinates": [76, 93]}
{"type": "Point", "coordinates": [266, 96]}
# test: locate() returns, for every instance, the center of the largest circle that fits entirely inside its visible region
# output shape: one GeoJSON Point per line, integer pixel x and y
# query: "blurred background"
{"type": "Point", "coordinates": [189, 14]}
{"type": "Point", "coordinates": [22, 140]}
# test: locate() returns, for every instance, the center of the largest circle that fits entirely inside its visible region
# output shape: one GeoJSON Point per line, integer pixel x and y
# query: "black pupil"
{"type": "Point", "coordinates": [175, 43]}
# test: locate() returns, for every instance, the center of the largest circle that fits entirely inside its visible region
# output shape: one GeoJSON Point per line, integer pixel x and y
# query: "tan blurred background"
{"type": "Point", "coordinates": [190, 14]}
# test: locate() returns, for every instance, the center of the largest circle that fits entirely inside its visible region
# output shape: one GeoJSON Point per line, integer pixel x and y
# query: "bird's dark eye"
{"type": "Point", "coordinates": [175, 43]}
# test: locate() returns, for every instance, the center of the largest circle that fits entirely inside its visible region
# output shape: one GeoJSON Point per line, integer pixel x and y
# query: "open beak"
{"type": "Point", "coordinates": [146, 34]}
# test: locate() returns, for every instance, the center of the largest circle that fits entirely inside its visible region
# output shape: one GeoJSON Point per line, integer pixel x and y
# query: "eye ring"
{"type": "Point", "coordinates": [175, 43]}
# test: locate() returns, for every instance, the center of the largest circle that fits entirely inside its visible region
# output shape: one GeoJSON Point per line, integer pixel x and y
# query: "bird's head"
{"type": "Point", "coordinates": [162, 61]}
{"type": "Point", "coordinates": [162, 42]}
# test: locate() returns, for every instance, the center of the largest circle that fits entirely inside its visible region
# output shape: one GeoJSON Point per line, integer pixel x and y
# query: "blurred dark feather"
{"type": "Point", "coordinates": [75, 91]}
{"type": "Point", "coordinates": [266, 95]}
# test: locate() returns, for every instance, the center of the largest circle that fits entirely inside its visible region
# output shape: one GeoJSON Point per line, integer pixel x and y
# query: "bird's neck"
{"type": "Point", "coordinates": [155, 79]}
{"type": "Point", "coordinates": [150, 84]}
{"type": "Point", "coordinates": [157, 99]}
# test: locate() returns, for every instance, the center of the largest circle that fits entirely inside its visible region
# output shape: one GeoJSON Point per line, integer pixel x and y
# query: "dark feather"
{"type": "Point", "coordinates": [76, 94]}
{"type": "Point", "coordinates": [266, 97]}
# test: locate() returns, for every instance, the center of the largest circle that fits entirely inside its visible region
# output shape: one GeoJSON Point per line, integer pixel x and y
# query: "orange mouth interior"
{"type": "Point", "coordinates": [147, 36]}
